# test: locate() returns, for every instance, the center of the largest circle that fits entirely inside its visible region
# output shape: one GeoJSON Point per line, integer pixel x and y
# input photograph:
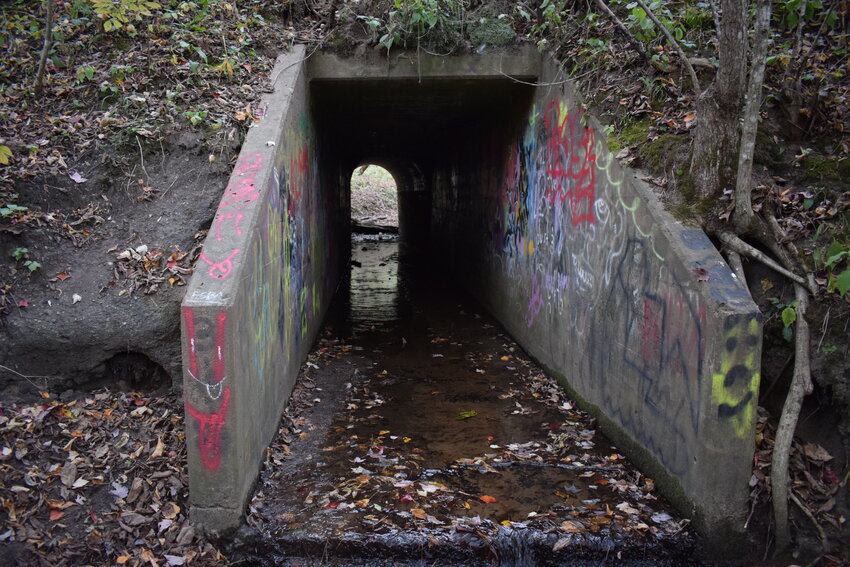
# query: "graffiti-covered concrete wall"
{"type": "Point", "coordinates": [636, 313]}
{"type": "Point", "coordinates": [256, 300]}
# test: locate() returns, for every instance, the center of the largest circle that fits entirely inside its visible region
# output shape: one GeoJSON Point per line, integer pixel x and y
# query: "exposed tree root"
{"type": "Point", "coordinates": [801, 386]}
{"type": "Point", "coordinates": [737, 245]}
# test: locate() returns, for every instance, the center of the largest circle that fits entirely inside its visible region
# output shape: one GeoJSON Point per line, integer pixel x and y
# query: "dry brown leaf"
{"type": "Point", "coordinates": [419, 513]}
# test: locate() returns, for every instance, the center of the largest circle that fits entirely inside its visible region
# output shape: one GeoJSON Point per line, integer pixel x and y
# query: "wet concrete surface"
{"type": "Point", "coordinates": [421, 434]}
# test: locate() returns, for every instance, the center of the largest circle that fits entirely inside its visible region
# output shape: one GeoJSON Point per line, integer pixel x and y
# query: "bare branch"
{"type": "Point", "coordinates": [638, 44]}
{"type": "Point", "coordinates": [674, 43]}
{"type": "Point", "coordinates": [45, 50]}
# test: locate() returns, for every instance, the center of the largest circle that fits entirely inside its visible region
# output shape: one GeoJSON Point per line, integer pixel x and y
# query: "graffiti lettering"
{"type": "Point", "coordinates": [222, 269]}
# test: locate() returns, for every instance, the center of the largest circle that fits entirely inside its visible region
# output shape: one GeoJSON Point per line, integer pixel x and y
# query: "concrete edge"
{"type": "Point", "coordinates": [504, 63]}
{"type": "Point", "coordinates": [218, 499]}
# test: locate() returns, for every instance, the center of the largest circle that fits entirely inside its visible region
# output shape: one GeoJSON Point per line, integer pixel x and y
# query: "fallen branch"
{"type": "Point", "coordinates": [736, 244]}
{"type": "Point", "coordinates": [801, 386]}
{"type": "Point", "coordinates": [638, 44]}
{"type": "Point", "coordinates": [811, 517]}
{"type": "Point", "coordinates": [687, 64]}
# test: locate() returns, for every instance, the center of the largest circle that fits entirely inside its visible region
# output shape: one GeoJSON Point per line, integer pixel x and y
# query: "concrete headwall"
{"type": "Point", "coordinates": [256, 299]}
{"type": "Point", "coordinates": [637, 314]}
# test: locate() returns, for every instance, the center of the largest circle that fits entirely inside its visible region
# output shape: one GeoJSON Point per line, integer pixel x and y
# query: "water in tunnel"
{"type": "Point", "coordinates": [420, 432]}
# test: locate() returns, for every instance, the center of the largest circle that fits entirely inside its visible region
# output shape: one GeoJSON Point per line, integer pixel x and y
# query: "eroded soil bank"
{"type": "Point", "coordinates": [420, 433]}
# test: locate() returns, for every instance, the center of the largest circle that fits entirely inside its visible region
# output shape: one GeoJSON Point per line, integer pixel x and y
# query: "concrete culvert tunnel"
{"type": "Point", "coordinates": [506, 187]}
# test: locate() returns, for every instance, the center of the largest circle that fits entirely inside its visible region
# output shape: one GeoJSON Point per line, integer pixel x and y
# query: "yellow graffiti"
{"type": "Point", "coordinates": [734, 388]}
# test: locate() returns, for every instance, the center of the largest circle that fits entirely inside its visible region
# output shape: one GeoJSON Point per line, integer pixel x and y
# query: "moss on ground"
{"type": "Point", "coordinates": [825, 168]}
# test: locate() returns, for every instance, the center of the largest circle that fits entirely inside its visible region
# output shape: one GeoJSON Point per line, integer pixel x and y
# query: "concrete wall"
{"type": "Point", "coordinates": [256, 299]}
{"type": "Point", "coordinates": [637, 314]}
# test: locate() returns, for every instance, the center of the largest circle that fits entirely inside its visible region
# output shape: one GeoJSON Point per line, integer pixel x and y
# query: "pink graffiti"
{"type": "Point", "coordinates": [245, 164]}
{"type": "Point", "coordinates": [237, 218]}
{"type": "Point", "coordinates": [220, 270]}
{"type": "Point", "coordinates": [572, 162]}
{"type": "Point", "coordinates": [209, 424]}
{"type": "Point", "coordinates": [535, 304]}
{"type": "Point", "coordinates": [238, 197]}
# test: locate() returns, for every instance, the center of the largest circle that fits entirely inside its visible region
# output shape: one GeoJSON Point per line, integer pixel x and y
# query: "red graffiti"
{"type": "Point", "coordinates": [299, 165]}
{"type": "Point", "coordinates": [209, 431]}
{"type": "Point", "coordinates": [650, 336]}
{"type": "Point", "coordinates": [572, 162]}
{"type": "Point", "coordinates": [237, 218]}
{"type": "Point", "coordinates": [220, 270]}
{"type": "Point", "coordinates": [209, 424]}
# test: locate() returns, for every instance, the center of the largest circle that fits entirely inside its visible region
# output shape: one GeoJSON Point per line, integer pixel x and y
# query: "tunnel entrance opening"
{"type": "Point", "coordinates": [374, 200]}
{"type": "Point", "coordinates": [506, 188]}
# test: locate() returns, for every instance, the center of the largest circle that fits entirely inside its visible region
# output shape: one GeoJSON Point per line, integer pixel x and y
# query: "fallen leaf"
{"type": "Point", "coordinates": [69, 474]}
{"type": "Point", "coordinates": [23, 303]}
{"type": "Point", "coordinates": [62, 276]}
{"type": "Point", "coordinates": [816, 453]}
{"type": "Point", "coordinates": [466, 415]}
{"type": "Point", "coordinates": [702, 274]}
{"type": "Point", "coordinates": [56, 514]}
{"type": "Point", "coordinates": [419, 513]}
{"type": "Point", "coordinates": [159, 450]}
{"type": "Point", "coordinates": [76, 177]}
{"type": "Point", "coordinates": [487, 499]}
{"type": "Point", "coordinates": [76, 298]}
{"type": "Point", "coordinates": [170, 510]}
{"type": "Point", "coordinates": [134, 519]}
{"type": "Point", "coordinates": [572, 527]}
{"type": "Point", "coordinates": [561, 544]}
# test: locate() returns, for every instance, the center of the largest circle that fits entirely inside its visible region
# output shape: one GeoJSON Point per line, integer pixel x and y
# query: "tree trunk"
{"type": "Point", "coordinates": [715, 155]}
{"type": "Point", "coordinates": [744, 216]}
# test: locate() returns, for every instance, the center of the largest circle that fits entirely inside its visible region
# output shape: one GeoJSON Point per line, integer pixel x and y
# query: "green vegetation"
{"type": "Point", "coordinates": [21, 255]}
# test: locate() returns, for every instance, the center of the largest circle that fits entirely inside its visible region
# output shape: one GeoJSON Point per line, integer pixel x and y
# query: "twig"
{"type": "Point", "coordinates": [45, 50]}
{"type": "Point", "coordinates": [741, 247]}
{"type": "Point", "coordinates": [687, 64]}
{"type": "Point", "coordinates": [25, 377]}
{"type": "Point", "coordinates": [810, 516]}
{"type": "Point", "coordinates": [801, 386]}
{"type": "Point", "coordinates": [142, 159]}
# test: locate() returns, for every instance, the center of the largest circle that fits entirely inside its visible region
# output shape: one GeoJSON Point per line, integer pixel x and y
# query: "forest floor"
{"type": "Point", "coordinates": [91, 211]}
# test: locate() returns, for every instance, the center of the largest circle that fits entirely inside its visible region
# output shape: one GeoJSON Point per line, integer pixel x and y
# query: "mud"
{"type": "Point", "coordinates": [426, 436]}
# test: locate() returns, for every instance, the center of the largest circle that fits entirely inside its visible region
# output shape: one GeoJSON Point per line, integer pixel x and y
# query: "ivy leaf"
{"type": "Point", "coordinates": [789, 315]}
{"type": "Point", "coordinates": [843, 282]}
{"type": "Point", "coordinates": [5, 155]}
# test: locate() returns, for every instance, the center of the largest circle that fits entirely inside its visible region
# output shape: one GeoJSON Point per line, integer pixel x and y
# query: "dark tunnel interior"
{"type": "Point", "coordinates": [414, 129]}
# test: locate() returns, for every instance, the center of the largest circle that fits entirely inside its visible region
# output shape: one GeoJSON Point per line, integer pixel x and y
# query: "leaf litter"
{"type": "Point", "coordinates": [97, 480]}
